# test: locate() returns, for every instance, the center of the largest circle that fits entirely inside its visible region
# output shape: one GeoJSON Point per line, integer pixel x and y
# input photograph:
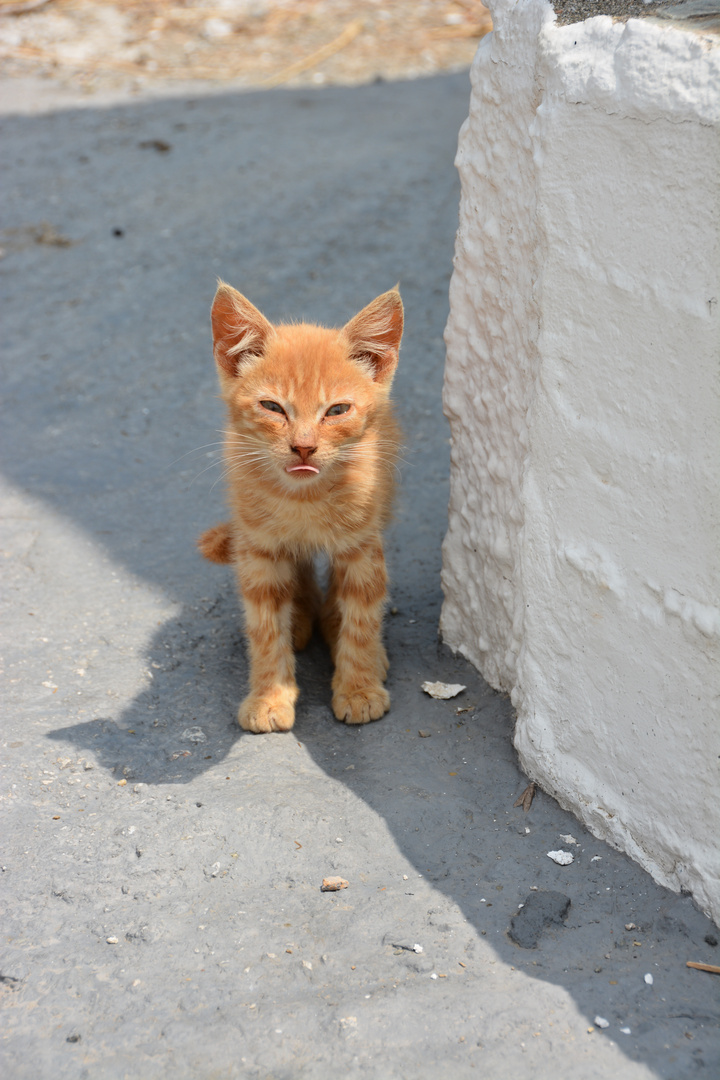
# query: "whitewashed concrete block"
{"type": "Point", "coordinates": [581, 566]}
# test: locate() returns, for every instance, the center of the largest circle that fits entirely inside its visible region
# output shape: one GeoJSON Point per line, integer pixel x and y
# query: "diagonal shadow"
{"type": "Point", "coordinates": [311, 203]}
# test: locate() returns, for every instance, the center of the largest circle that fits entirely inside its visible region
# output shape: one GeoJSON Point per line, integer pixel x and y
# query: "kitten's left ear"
{"type": "Point", "coordinates": [375, 333]}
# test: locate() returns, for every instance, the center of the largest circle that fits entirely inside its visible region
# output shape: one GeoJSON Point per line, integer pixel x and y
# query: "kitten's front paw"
{"type": "Point", "coordinates": [361, 705]}
{"type": "Point", "coordinates": [273, 712]}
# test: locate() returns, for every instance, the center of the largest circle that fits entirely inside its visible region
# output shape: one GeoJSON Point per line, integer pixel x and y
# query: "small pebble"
{"type": "Point", "coordinates": [649, 979]}
{"type": "Point", "coordinates": [333, 884]}
{"type": "Point", "coordinates": [433, 975]}
{"type": "Point", "coordinates": [442, 691]}
{"type": "Point", "coordinates": [601, 1022]}
{"type": "Point", "coordinates": [112, 940]}
{"type": "Point", "coordinates": [562, 858]}
{"type": "Point", "coordinates": [625, 1031]}
{"type": "Point", "coordinates": [630, 926]}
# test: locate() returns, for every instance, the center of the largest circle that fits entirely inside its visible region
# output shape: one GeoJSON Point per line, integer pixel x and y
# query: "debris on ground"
{"type": "Point", "coordinates": [562, 858]}
{"type": "Point", "coordinates": [649, 979]}
{"type": "Point", "coordinates": [160, 145]}
{"type": "Point", "coordinates": [442, 691]}
{"type": "Point", "coordinates": [194, 735]}
{"type": "Point", "coordinates": [712, 968]}
{"type": "Point", "coordinates": [568, 838]}
{"type": "Point", "coordinates": [333, 884]}
{"type": "Point", "coordinates": [526, 799]}
{"type": "Point", "coordinates": [601, 1022]}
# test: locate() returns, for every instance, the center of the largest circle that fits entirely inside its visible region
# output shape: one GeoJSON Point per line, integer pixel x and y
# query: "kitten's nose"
{"type": "Point", "coordinates": [304, 449]}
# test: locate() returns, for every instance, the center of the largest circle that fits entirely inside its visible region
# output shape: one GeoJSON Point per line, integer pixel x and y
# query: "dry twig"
{"type": "Point", "coordinates": [19, 7]}
{"type": "Point", "coordinates": [477, 30]}
{"type": "Point", "coordinates": [350, 32]}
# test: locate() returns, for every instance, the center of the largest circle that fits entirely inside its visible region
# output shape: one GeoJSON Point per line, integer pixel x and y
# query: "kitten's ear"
{"type": "Point", "coordinates": [375, 333]}
{"type": "Point", "coordinates": [239, 330]}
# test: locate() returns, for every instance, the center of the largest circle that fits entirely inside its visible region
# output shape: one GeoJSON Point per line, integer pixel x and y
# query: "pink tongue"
{"type": "Point", "coordinates": [301, 468]}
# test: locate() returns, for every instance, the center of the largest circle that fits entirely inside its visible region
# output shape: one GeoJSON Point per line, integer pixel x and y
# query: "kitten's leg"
{"type": "Point", "coordinates": [330, 625]}
{"type": "Point", "coordinates": [307, 599]}
{"type": "Point", "coordinates": [330, 616]}
{"type": "Point", "coordinates": [355, 611]}
{"type": "Point", "coordinates": [267, 586]}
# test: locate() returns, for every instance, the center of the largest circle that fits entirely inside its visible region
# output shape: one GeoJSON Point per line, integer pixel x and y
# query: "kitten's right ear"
{"type": "Point", "coordinates": [374, 336]}
{"type": "Point", "coordinates": [239, 330]}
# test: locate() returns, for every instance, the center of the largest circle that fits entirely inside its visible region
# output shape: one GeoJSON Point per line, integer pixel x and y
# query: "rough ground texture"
{"type": "Point", "coordinates": [93, 44]}
{"type": "Point", "coordinates": [161, 870]}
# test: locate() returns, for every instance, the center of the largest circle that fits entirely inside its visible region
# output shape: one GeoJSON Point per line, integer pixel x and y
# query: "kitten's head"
{"type": "Point", "coordinates": [304, 399]}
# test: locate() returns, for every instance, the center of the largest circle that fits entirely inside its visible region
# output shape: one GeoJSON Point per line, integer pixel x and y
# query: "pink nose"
{"type": "Point", "coordinates": [305, 450]}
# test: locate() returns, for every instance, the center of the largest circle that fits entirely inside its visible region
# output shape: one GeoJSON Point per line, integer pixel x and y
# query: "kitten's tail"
{"type": "Point", "coordinates": [216, 544]}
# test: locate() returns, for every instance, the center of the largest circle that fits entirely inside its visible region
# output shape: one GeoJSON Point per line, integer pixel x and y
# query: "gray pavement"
{"type": "Point", "coordinates": [162, 915]}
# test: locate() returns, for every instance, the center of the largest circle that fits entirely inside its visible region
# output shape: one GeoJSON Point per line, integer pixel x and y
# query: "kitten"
{"type": "Point", "coordinates": [310, 452]}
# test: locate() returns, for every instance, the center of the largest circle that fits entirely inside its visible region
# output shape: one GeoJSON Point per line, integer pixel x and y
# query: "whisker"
{"type": "Point", "coordinates": [196, 450]}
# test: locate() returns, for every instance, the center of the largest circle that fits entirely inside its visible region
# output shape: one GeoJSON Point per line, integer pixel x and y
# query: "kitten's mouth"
{"type": "Point", "coordinates": [301, 468]}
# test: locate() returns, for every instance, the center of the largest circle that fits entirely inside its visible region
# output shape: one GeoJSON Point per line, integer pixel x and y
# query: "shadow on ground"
{"type": "Point", "coordinates": [311, 203]}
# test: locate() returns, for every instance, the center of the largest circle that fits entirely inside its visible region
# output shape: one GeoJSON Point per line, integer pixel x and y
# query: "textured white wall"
{"type": "Point", "coordinates": [582, 562]}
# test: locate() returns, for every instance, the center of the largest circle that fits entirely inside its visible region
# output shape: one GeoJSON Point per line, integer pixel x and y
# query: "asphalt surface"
{"type": "Point", "coordinates": [161, 870]}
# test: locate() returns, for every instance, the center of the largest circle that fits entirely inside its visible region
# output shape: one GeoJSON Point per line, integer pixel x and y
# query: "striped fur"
{"type": "Point", "coordinates": [306, 478]}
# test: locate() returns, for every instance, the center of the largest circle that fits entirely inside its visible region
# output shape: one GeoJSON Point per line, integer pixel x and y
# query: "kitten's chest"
{"type": "Point", "coordinates": [311, 525]}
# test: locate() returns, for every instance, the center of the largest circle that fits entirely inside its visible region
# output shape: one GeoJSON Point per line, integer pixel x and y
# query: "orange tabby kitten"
{"type": "Point", "coordinates": [310, 453]}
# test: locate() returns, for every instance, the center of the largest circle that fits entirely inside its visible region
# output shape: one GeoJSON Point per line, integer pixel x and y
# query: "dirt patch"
{"type": "Point", "coordinates": [95, 44]}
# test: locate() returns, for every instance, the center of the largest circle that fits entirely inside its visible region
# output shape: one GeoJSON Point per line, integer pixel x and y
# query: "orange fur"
{"type": "Point", "coordinates": [310, 452]}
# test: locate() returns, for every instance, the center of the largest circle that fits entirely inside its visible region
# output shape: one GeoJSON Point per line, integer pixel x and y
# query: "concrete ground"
{"type": "Point", "coordinates": [161, 870]}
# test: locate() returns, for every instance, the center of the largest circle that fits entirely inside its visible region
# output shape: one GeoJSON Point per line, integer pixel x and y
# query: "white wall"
{"type": "Point", "coordinates": [582, 562]}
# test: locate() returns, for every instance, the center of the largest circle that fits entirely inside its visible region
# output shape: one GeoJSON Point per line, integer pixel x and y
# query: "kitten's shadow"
{"type": "Point", "coordinates": [432, 771]}
{"type": "Point", "coordinates": [183, 723]}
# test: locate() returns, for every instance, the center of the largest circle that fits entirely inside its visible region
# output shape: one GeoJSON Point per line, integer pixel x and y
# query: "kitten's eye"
{"type": "Point", "coordinates": [272, 406]}
{"type": "Point", "coordinates": [337, 410]}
